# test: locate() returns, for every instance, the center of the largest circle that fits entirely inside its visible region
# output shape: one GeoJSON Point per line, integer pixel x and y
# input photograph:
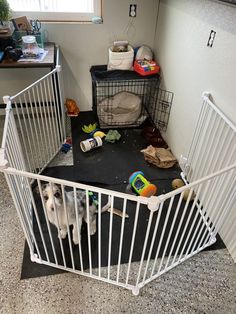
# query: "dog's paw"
{"type": "Point", "coordinates": [76, 240]}
{"type": "Point", "coordinates": [93, 229]}
{"type": "Point", "coordinates": [63, 234]}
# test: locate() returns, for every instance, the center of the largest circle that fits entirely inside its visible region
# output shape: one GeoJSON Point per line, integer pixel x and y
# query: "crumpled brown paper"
{"type": "Point", "coordinates": [160, 157]}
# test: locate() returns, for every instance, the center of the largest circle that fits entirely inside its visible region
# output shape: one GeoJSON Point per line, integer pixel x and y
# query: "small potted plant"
{"type": "Point", "coordinates": [5, 16]}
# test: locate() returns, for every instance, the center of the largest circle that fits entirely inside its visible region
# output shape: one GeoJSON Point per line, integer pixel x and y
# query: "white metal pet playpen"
{"type": "Point", "coordinates": [175, 228]}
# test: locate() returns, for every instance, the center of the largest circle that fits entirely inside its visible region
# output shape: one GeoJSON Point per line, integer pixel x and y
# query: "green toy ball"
{"type": "Point", "coordinates": [177, 183]}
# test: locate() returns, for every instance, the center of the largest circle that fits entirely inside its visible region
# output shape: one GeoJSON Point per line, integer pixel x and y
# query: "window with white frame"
{"type": "Point", "coordinates": [57, 10]}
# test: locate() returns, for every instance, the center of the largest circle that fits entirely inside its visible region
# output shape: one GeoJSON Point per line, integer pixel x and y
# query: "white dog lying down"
{"type": "Point", "coordinates": [53, 197]}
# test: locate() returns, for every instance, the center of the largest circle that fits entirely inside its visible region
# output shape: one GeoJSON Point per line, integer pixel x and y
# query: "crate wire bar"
{"type": "Point", "coordinates": [175, 230]}
{"type": "Point", "coordinates": [159, 108]}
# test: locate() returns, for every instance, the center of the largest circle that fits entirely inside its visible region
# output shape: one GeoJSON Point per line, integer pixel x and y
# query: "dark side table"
{"type": "Point", "coordinates": [48, 62]}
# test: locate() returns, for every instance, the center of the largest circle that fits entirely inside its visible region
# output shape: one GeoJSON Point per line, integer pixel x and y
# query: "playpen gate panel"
{"type": "Point", "coordinates": [124, 251]}
{"type": "Point", "coordinates": [214, 143]}
{"type": "Point", "coordinates": [34, 124]}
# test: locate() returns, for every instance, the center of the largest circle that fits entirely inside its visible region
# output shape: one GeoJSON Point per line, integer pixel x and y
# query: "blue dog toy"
{"type": "Point", "coordinates": [65, 148]}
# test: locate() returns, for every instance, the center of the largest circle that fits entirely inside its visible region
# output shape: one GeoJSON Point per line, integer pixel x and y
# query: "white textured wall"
{"type": "Point", "coordinates": [189, 67]}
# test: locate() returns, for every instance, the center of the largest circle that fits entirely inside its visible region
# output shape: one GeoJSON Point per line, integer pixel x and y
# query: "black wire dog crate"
{"type": "Point", "coordinates": [127, 99]}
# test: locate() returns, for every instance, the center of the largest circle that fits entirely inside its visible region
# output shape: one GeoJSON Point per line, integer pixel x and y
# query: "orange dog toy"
{"type": "Point", "coordinates": [72, 108]}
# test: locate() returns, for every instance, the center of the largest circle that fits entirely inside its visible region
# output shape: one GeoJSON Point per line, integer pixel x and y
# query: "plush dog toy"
{"type": "Point", "coordinates": [72, 108]}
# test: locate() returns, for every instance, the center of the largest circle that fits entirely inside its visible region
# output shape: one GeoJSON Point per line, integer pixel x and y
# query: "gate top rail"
{"type": "Point", "coordinates": [152, 202]}
{"type": "Point", "coordinates": [57, 69]}
{"type": "Point", "coordinates": [13, 171]}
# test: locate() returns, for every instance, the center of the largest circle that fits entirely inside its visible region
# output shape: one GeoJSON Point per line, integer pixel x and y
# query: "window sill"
{"type": "Point", "coordinates": [69, 22]}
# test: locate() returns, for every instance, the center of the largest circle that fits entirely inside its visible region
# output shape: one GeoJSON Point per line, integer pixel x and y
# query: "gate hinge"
{"type": "Point", "coordinates": [154, 202]}
{"type": "Point", "coordinates": [35, 258]}
{"type": "Point", "coordinates": [184, 165]}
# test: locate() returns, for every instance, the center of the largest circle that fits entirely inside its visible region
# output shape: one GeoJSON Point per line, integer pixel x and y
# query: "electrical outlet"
{"type": "Point", "coordinates": [132, 10]}
{"type": "Point", "coordinates": [211, 38]}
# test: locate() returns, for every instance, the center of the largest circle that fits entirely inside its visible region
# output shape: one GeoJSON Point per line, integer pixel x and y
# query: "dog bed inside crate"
{"type": "Point", "coordinates": [122, 108]}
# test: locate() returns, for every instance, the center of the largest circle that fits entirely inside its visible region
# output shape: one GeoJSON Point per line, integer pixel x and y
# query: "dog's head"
{"type": "Point", "coordinates": [52, 196]}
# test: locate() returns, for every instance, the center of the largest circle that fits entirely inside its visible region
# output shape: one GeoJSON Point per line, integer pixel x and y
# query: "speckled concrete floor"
{"type": "Point", "coordinates": [204, 284]}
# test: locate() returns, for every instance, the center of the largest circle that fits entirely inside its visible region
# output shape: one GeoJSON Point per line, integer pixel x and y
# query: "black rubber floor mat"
{"type": "Point", "coordinates": [113, 163]}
